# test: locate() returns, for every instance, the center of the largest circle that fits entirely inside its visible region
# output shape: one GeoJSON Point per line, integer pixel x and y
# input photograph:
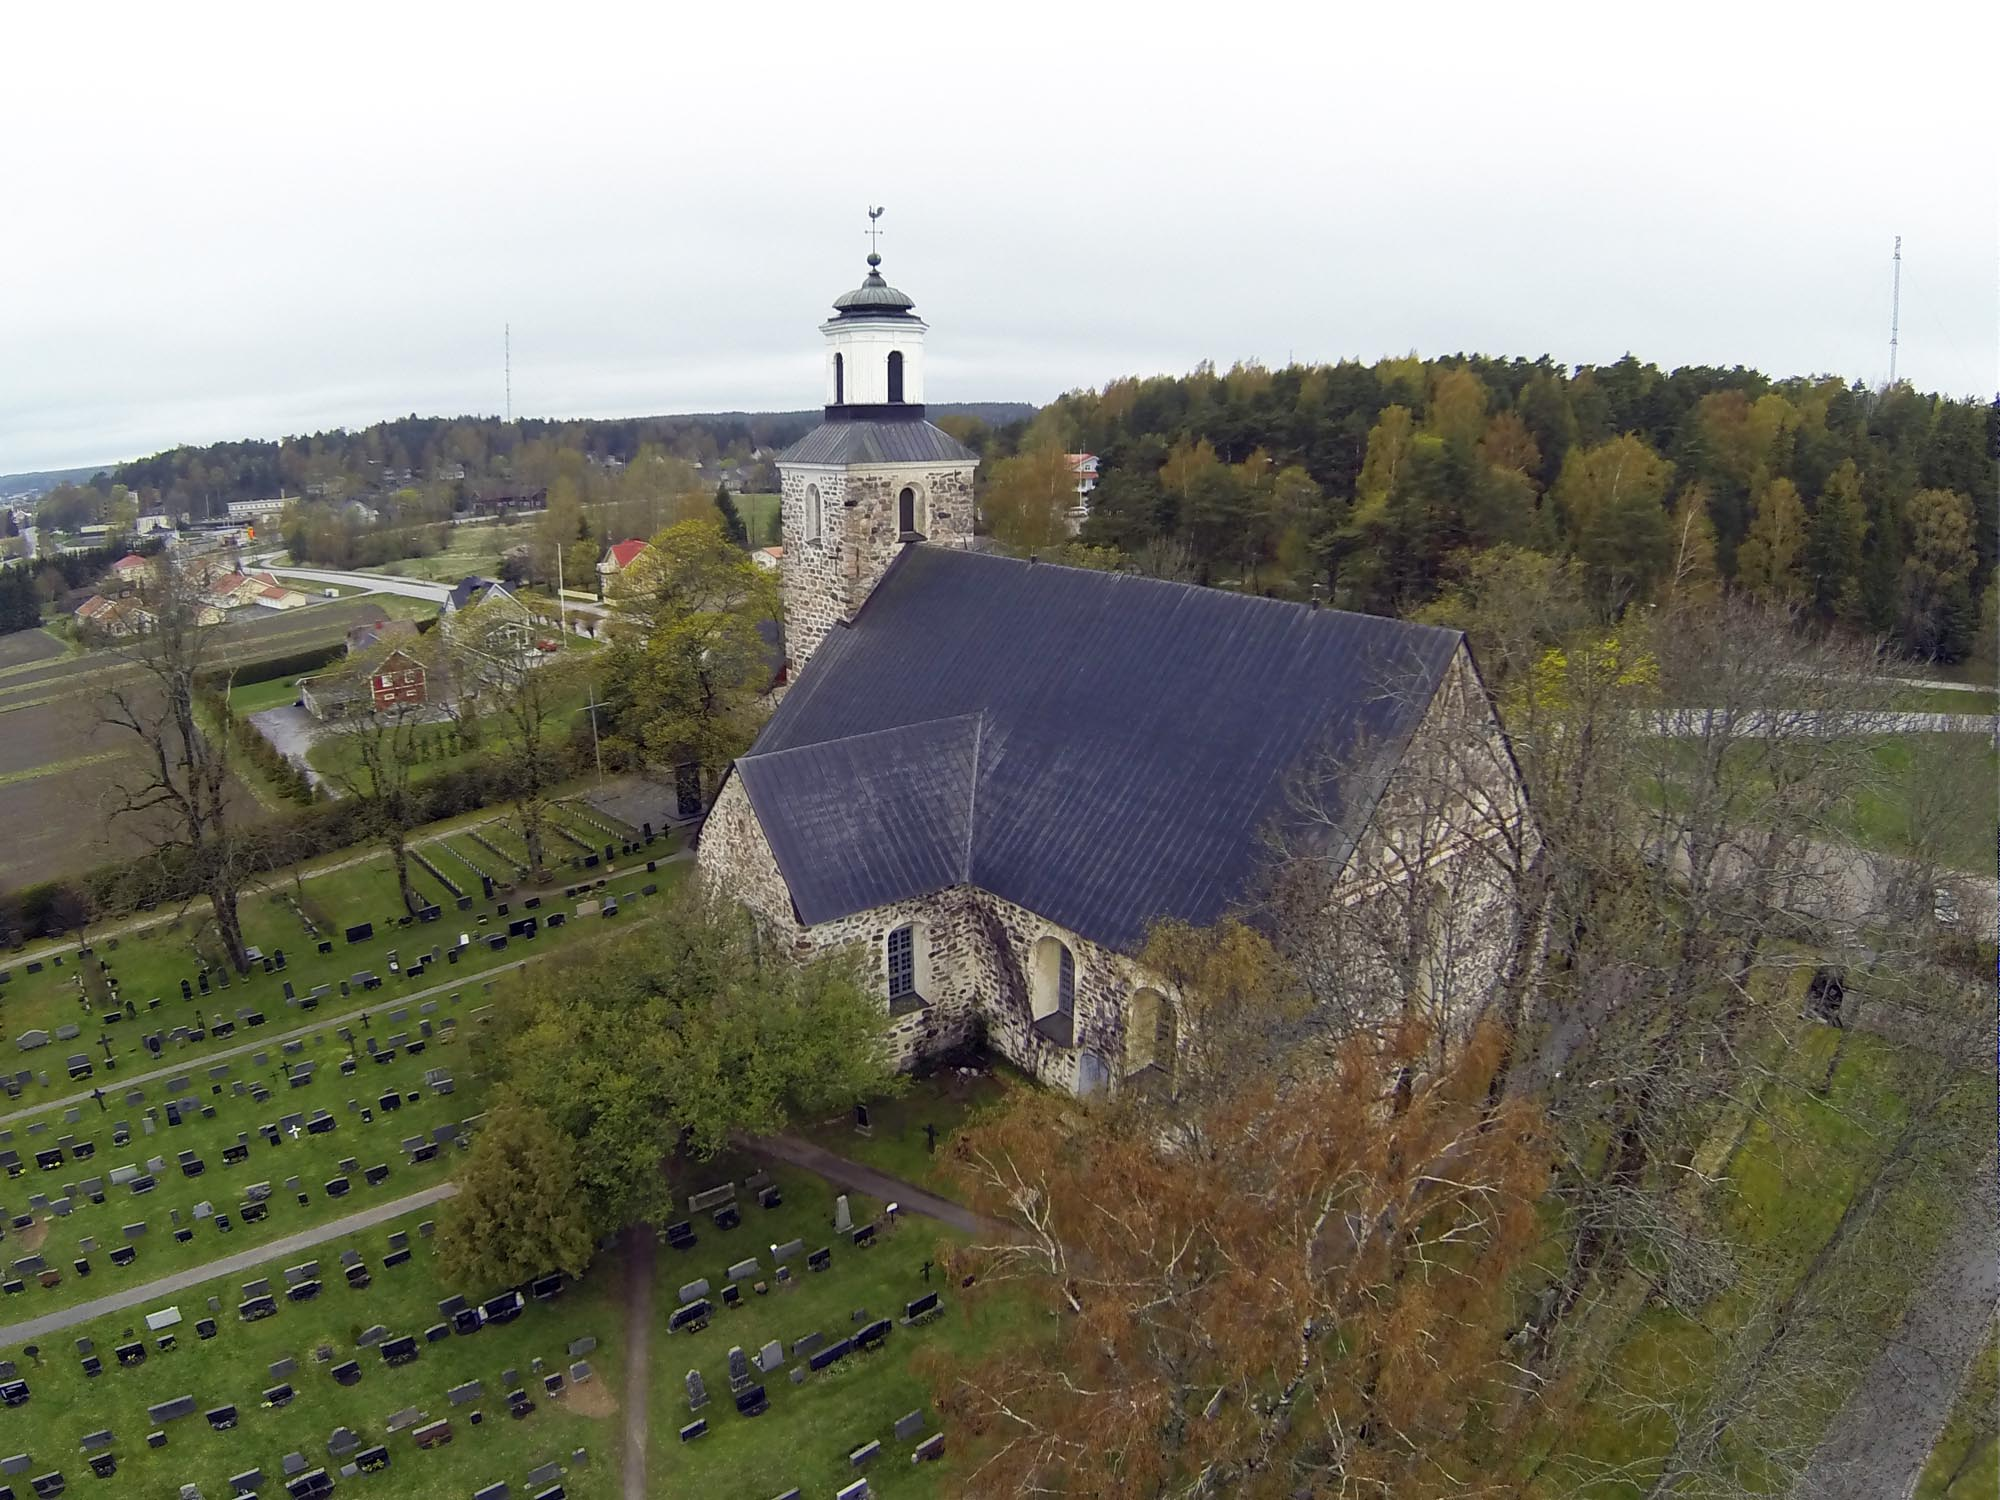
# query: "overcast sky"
{"type": "Point", "coordinates": [220, 222]}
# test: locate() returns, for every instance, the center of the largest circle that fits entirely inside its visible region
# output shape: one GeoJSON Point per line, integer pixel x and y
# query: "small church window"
{"type": "Point", "coordinates": [895, 376]}
{"type": "Point", "coordinates": [812, 513]}
{"type": "Point", "coordinates": [906, 510]}
{"type": "Point", "coordinates": [902, 964]}
{"type": "Point", "coordinates": [839, 380]}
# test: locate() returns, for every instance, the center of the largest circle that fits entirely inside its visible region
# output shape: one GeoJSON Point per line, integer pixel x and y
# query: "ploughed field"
{"type": "Point", "coordinates": [59, 766]}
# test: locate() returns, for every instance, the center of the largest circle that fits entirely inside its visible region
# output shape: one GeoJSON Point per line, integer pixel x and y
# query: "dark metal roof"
{"type": "Point", "coordinates": [874, 297]}
{"type": "Point", "coordinates": [1132, 743]}
{"type": "Point", "coordinates": [839, 443]}
{"type": "Point", "coordinates": [859, 822]}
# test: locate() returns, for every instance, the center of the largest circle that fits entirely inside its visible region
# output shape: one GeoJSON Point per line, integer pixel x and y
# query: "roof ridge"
{"type": "Point", "coordinates": [972, 792]}
{"type": "Point", "coordinates": [867, 734]}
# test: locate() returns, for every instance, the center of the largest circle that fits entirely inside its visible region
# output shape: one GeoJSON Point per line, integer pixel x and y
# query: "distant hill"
{"type": "Point", "coordinates": [41, 481]}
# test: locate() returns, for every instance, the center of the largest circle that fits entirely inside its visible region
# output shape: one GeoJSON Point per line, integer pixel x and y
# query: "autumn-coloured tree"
{"type": "Point", "coordinates": [1614, 496]}
{"type": "Point", "coordinates": [1315, 1304]}
{"type": "Point", "coordinates": [1767, 564]}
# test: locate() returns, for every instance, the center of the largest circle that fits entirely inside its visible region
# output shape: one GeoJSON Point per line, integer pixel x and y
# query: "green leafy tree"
{"type": "Point", "coordinates": [689, 668]}
{"type": "Point", "coordinates": [520, 1209]}
{"type": "Point", "coordinates": [1938, 610]}
{"type": "Point", "coordinates": [671, 1039]}
{"type": "Point", "coordinates": [1832, 558]}
{"type": "Point", "coordinates": [732, 523]}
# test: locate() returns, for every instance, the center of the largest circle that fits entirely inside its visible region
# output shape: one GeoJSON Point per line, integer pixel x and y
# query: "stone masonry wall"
{"type": "Point", "coordinates": [979, 949]}
{"type": "Point", "coordinates": [824, 581]}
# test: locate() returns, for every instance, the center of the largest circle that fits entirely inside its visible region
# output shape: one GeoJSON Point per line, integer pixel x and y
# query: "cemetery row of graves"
{"type": "Point", "coordinates": [162, 990]}
{"type": "Point", "coordinates": [220, 1112]}
{"type": "Point", "coordinates": [786, 1317]}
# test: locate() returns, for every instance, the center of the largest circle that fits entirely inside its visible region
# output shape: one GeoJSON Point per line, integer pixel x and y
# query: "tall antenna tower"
{"type": "Point", "coordinates": [507, 336]}
{"type": "Point", "coordinates": [1895, 309]}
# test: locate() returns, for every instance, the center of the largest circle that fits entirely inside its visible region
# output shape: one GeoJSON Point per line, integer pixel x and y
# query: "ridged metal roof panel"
{"type": "Point", "coordinates": [1136, 736]}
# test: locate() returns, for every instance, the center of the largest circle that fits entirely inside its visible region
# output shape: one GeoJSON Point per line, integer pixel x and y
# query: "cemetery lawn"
{"type": "Point", "coordinates": [1965, 1464]}
{"type": "Point", "coordinates": [233, 1368]}
{"type": "Point", "coordinates": [944, 1098]}
{"type": "Point", "coordinates": [150, 963]}
{"type": "Point", "coordinates": [313, 1159]}
{"type": "Point", "coordinates": [806, 1436]}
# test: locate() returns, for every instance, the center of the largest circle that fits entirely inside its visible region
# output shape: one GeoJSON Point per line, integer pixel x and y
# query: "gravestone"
{"type": "Point", "coordinates": [694, 1289]}
{"type": "Point", "coordinates": [697, 1393]}
{"type": "Point", "coordinates": [739, 1368]}
{"type": "Point", "coordinates": [770, 1356]}
{"type": "Point", "coordinates": [909, 1425]}
{"type": "Point", "coordinates": [843, 1217]}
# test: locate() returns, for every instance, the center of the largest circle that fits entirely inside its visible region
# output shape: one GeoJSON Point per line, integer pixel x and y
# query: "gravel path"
{"type": "Point", "coordinates": [1877, 1444]}
{"type": "Point", "coordinates": [858, 1178]}
{"type": "Point", "coordinates": [228, 1265]}
{"type": "Point", "coordinates": [639, 1247]}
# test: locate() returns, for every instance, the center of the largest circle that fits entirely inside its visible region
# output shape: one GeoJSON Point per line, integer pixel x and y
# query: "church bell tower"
{"type": "Point", "coordinates": [874, 476]}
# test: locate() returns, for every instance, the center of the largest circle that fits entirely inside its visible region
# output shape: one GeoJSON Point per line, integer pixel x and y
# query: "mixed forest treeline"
{"type": "Point", "coordinates": [1381, 485]}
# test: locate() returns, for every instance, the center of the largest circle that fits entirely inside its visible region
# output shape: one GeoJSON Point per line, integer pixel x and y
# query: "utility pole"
{"type": "Point", "coordinates": [1895, 310]}
{"type": "Point", "coordinates": [562, 614]}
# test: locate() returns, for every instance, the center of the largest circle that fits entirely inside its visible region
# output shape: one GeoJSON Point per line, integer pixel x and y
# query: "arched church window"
{"type": "Point", "coordinates": [839, 380]}
{"type": "Point", "coordinates": [1052, 991]}
{"type": "Point", "coordinates": [813, 517]}
{"type": "Point", "coordinates": [906, 510]}
{"type": "Point", "coordinates": [895, 375]}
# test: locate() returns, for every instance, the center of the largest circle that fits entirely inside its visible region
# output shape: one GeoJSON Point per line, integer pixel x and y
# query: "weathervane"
{"type": "Point", "coordinates": [874, 237]}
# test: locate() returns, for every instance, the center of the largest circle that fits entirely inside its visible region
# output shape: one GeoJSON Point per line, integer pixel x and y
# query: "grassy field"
{"type": "Point", "coordinates": [1965, 1464]}
{"type": "Point", "coordinates": [472, 550]}
{"type": "Point", "coordinates": [1783, 1191]}
{"type": "Point", "coordinates": [253, 697]}
{"type": "Point", "coordinates": [233, 1367]}
{"type": "Point", "coordinates": [760, 518]}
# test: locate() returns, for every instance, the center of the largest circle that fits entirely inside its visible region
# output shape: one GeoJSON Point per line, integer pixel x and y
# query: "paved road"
{"type": "Point", "coordinates": [291, 731]}
{"type": "Point", "coordinates": [1878, 1442]}
{"type": "Point", "coordinates": [857, 1178]}
{"type": "Point", "coordinates": [228, 1265]}
{"type": "Point", "coordinates": [639, 1246]}
{"type": "Point", "coordinates": [1779, 723]}
{"type": "Point", "coordinates": [381, 583]}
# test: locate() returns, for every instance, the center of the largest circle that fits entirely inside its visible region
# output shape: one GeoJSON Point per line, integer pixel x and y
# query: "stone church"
{"type": "Point", "coordinates": [992, 775]}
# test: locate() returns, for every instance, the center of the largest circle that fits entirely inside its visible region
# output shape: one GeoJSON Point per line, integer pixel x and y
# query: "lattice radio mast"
{"type": "Point", "coordinates": [507, 336]}
{"type": "Point", "coordinates": [1895, 310]}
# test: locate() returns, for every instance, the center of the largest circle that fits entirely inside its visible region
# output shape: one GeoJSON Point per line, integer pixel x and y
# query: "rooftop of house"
{"type": "Point", "coordinates": [621, 554]}
{"type": "Point", "coordinates": [1102, 749]}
